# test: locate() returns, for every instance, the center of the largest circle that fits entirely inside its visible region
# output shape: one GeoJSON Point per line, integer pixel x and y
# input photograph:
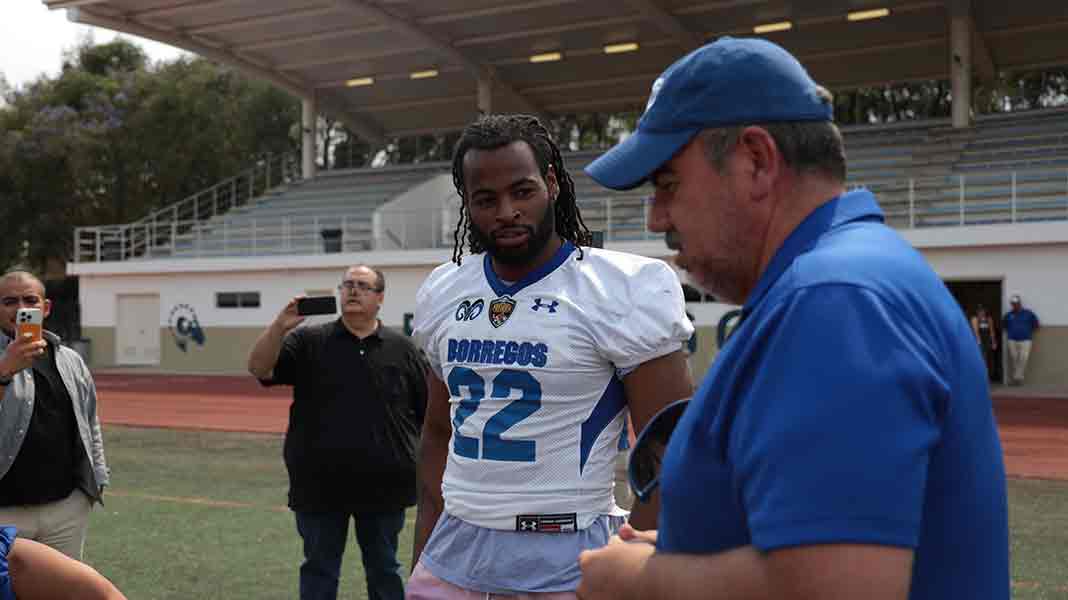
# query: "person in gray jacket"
{"type": "Point", "coordinates": [52, 466]}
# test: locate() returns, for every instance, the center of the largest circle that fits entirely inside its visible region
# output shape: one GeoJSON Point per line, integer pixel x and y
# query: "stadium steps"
{"type": "Point", "coordinates": [291, 221]}
{"type": "Point", "coordinates": [932, 156]}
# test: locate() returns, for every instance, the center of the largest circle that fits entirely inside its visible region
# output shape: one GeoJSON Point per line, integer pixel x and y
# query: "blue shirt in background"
{"type": "Point", "coordinates": [1020, 325]}
{"type": "Point", "coordinates": [850, 406]}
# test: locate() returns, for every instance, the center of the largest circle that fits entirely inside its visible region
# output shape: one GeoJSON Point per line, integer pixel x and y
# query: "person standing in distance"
{"type": "Point", "coordinates": [986, 335]}
{"type": "Point", "coordinates": [843, 443]}
{"type": "Point", "coordinates": [52, 467]}
{"type": "Point", "coordinates": [538, 345]}
{"type": "Point", "coordinates": [1020, 325]}
{"type": "Point", "coordinates": [359, 395]}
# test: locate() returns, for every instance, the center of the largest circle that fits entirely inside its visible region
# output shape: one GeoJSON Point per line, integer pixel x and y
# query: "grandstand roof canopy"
{"type": "Point", "coordinates": [322, 48]}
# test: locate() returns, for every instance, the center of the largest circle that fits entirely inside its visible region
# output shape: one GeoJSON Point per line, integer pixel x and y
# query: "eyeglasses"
{"type": "Point", "coordinates": [643, 468]}
{"type": "Point", "coordinates": [351, 286]}
{"type": "Point", "coordinates": [11, 301]}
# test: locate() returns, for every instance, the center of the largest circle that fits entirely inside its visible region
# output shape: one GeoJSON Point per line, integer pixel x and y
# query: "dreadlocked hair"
{"type": "Point", "coordinates": [491, 132]}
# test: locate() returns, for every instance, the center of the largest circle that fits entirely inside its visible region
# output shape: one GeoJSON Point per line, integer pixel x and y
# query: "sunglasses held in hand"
{"type": "Point", "coordinates": [643, 468]}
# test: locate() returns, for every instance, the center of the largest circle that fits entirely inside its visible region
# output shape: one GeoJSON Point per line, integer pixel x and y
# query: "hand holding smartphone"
{"type": "Point", "coordinates": [29, 323]}
{"type": "Point", "coordinates": [317, 305]}
{"type": "Point", "coordinates": [28, 343]}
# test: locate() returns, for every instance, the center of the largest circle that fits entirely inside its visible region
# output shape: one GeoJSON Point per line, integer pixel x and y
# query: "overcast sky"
{"type": "Point", "coordinates": [33, 38]}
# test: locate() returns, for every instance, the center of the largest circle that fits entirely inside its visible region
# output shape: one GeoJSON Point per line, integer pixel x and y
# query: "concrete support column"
{"type": "Point", "coordinates": [960, 60]}
{"type": "Point", "coordinates": [485, 92]}
{"type": "Point", "coordinates": [309, 114]}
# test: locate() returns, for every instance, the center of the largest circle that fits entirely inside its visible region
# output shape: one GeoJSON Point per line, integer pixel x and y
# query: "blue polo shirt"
{"type": "Point", "coordinates": [1020, 325]}
{"type": "Point", "coordinates": [7, 539]}
{"type": "Point", "coordinates": [849, 406]}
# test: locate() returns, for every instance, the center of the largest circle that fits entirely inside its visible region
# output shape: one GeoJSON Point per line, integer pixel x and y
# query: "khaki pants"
{"type": "Point", "coordinates": [61, 524]}
{"type": "Point", "coordinates": [1019, 352]}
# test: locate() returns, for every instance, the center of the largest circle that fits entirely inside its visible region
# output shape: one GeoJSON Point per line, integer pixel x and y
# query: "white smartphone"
{"type": "Point", "coordinates": [29, 321]}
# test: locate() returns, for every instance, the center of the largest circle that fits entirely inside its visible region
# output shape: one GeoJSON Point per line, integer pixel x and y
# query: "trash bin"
{"type": "Point", "coordinates": [331, 241]}
{"type": "Point", "coordinates": [597, 239]}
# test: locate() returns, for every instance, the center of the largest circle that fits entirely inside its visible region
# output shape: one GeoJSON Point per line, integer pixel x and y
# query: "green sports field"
{"type": "Point", "coordinates": [202, 515]}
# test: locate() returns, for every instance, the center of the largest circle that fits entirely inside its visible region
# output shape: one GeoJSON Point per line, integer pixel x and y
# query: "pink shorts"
{"type": "Point", "coordinates": [423, 585]}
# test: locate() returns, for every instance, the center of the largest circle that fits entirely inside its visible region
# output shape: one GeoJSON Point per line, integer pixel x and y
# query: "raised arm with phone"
{"type": "Point", "coordinates": [27, 342]}
{"type": "Point", "coordinates": [52, 467]}
{"type": "Point", "coordinates": [359, 395]}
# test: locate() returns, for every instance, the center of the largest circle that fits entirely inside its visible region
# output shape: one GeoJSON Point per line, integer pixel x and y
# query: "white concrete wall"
{"type": "Point", "coordinates": [196, 281]}
{"type": "Point", "coordinates": [98, 294]}
{"type": "Point", "coordinates": [1032, 260]}
{"type": "Point", "coordinates": [1039, 274]}
{"type": "Point", "coordinates": [418, 218]}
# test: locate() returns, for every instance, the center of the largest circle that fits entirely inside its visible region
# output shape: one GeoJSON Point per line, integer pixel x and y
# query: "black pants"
{"type": "Point", "coordinates": [325, 536]}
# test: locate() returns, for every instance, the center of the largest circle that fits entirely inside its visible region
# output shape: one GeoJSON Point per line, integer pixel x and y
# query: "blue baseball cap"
{"type": "Point", "coordinates": [732, 81]}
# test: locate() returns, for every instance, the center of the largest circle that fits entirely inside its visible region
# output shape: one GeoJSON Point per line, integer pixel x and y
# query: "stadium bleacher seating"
{"type": "Point", "coordinates": [292, 220]}
{"type": "Point", "coordinates": [1006, 168]}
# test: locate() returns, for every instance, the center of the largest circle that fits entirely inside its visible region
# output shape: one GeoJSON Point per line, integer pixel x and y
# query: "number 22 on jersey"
{"type": "Point", "coordinates": [491, 445]}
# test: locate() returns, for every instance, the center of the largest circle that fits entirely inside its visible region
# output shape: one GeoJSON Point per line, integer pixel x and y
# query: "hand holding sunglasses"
{"type": "Point", "coordinates": [643, 468]}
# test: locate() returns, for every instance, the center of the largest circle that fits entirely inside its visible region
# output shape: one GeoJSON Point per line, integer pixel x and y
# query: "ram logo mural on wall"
{"type": "Point", "coordinates": [184, 327]}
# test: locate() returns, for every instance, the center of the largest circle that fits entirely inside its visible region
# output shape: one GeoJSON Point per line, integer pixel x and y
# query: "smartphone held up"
{"type": "Point", "coordinates": [317, 305]}
{"type": "Point", "coordinates": [29, 322]}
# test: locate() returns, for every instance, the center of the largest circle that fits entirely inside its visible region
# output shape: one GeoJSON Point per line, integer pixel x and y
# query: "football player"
{"type": "Point", "coordinates": [540, 346]}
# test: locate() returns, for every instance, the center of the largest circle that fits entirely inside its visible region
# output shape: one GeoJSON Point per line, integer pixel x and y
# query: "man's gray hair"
{"type": "Point", "coordinates": [806, 147]}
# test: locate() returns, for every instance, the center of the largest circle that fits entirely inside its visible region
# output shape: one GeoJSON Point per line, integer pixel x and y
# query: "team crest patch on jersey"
{"type": "Point", "coordinates": [500, 309]}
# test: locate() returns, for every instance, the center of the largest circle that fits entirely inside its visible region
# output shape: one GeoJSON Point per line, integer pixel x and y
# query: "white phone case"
{"type": "Point", "coordinates": [29, 320]}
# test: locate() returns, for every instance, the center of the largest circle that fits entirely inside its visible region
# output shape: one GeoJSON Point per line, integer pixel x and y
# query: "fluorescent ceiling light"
{"type": "Point", "coordinates": [546, 57]}
{"type": "Point", "coordinates": [620, 48]}
{"type": "Point", "coordinates": [864, 15]}
{"type": "Point", "coordinates": [427, 74]}
{"type": "Point", "coordinates": [360, 81]}
{"type": "Point", "coordinates": [773, 27]}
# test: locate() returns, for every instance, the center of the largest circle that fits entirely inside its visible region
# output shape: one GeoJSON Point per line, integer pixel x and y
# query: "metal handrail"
{"type": "Point", "coordinates": [156, 232]}
{"type": "Point", "coordinates": [912, 203]}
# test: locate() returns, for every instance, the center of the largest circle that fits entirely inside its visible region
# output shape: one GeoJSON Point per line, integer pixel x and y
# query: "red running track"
{"type": "Point", "coordinates": [1034, 431]}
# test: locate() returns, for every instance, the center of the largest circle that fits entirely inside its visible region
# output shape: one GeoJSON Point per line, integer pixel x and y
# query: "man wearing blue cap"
{"type": "Point", "coordinates": [843, 443]}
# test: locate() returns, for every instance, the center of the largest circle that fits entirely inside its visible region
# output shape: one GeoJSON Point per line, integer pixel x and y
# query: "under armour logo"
{"type": "Point", "coordinates": [551, 307]}
{"type": "Point", "coordinates": [528, 526]}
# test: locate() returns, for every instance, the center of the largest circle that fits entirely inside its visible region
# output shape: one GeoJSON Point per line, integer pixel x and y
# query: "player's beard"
{"type": "Point", "coordinates": [539, 237]}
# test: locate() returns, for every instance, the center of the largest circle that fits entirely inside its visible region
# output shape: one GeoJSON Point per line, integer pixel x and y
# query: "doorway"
{"type": "Point", "coordinates": [137, 335]}
{"type": "Point", "coordinates": [970, 295]}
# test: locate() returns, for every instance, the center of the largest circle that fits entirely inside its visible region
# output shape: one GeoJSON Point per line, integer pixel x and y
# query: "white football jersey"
{"type": "Point", "coordinates": [533, 370]}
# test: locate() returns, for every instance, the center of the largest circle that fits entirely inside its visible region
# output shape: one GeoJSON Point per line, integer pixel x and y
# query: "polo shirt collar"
{"type": "Point", "coordinates": [855, 205]}
{"type": "Point", "coordinates": [340, 329]}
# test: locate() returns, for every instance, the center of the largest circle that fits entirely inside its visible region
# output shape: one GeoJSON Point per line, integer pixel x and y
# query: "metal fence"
{"type": "Point", "coordinates": [978, 198]}
{"type": "Point", "coordinates": [166, 231]}
{"type": "Point", "coordinates": [202, 227]}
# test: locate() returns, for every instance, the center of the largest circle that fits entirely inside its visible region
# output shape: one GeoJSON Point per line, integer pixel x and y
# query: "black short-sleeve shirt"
{"type": "Point", "coordinates": [46, 467]}
{"type": "Point", "coordinates": [358, 405]}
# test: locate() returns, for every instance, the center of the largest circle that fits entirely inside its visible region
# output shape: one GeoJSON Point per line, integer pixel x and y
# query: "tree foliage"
{"type": "Point", "coordinates": [113, 137]}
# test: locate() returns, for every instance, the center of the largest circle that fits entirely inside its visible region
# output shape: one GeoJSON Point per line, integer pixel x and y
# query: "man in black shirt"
{"type": "Point", "coordinates": [359, 395]}
{"type": "Point", "coordinates": [52, 464]}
